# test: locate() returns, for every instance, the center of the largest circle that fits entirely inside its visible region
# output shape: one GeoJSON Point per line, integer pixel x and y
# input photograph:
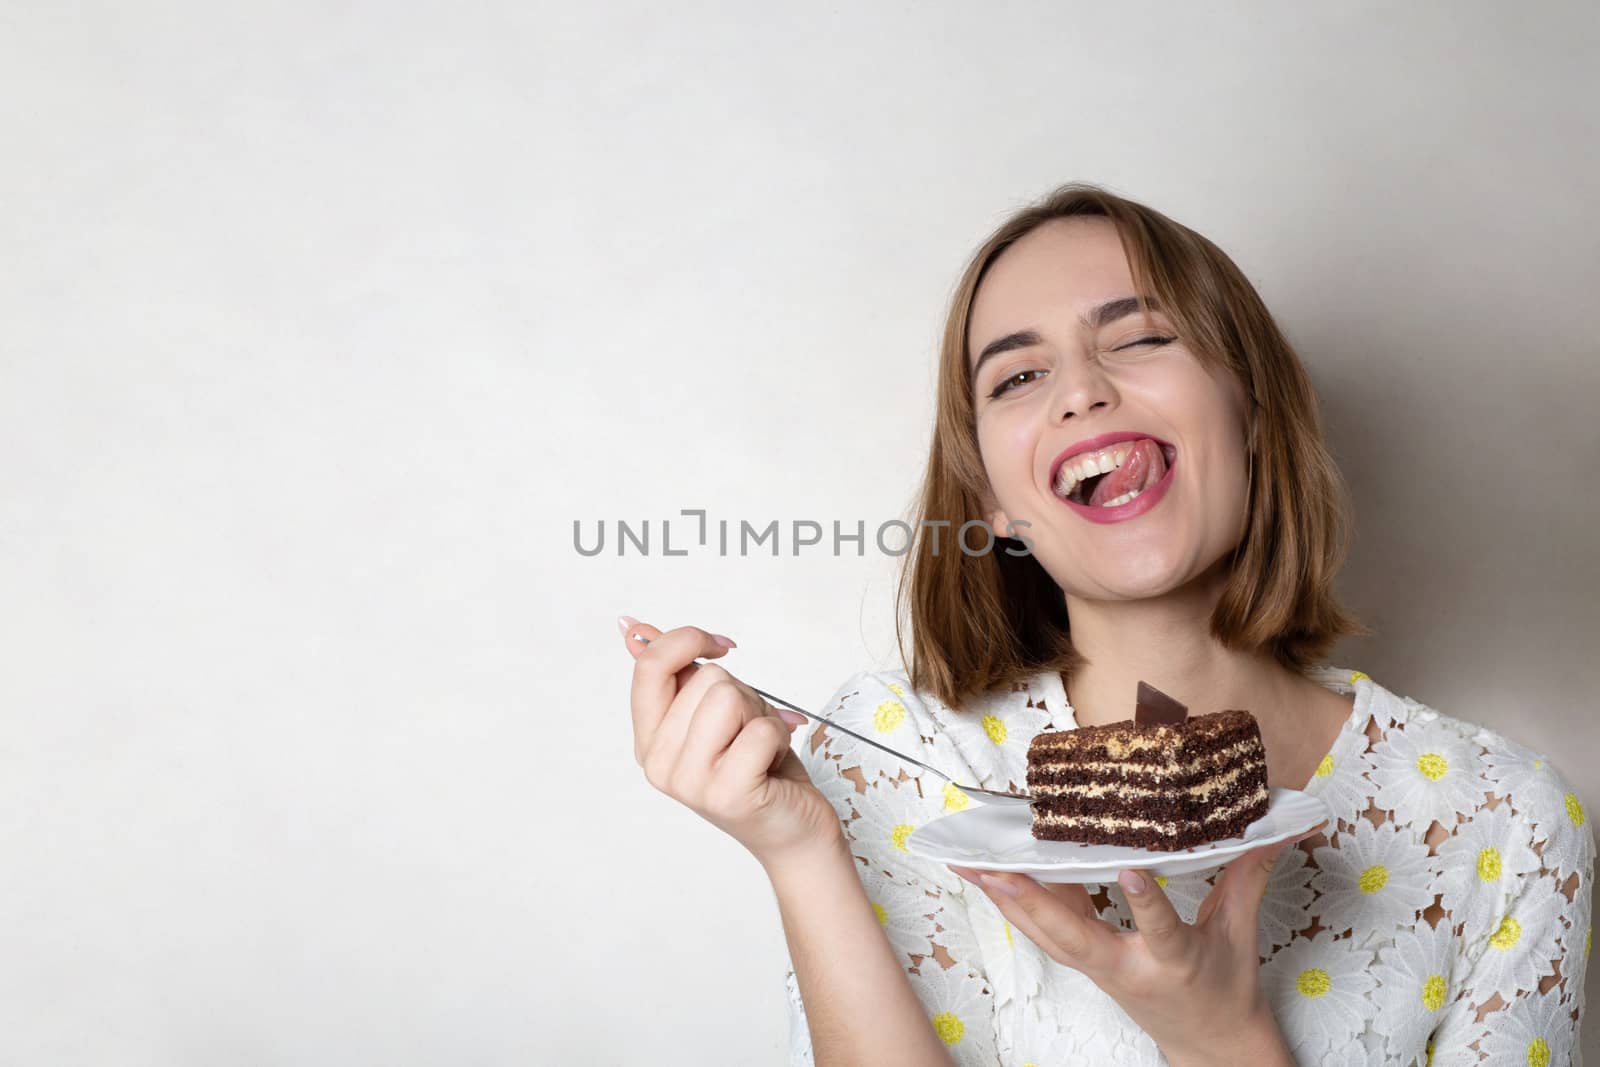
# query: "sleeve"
{"type": "Point", "coordinates": [1528, 971]}
{"type": "Point", "coordinates": [918, 902]}
{"type": "Point", "coordinates": [799, 1029]}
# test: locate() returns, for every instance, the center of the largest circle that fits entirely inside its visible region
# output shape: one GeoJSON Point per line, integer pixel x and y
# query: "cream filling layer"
{"type": "Point", "coordinates": [1119, 822]}
{"type": "Point", "coordinates": [1048, 790]}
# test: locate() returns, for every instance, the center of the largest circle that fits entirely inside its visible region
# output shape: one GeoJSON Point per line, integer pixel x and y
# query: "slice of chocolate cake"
{"type": "Point", "coordinates": [1159, 781]}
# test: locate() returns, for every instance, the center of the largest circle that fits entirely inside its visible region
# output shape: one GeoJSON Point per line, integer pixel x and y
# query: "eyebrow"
{"type": "Point", "coordinates": [1096, 317]}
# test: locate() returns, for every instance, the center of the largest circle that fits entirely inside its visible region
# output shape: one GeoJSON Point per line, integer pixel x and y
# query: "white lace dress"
{"type": "Point", "coordinates": [1375, 948]}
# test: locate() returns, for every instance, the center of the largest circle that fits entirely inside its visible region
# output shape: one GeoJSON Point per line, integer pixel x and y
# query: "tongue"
{"type": "Point", "coordinates": [1144, 467]}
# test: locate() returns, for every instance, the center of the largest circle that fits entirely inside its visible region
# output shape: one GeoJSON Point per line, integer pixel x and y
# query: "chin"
{"type": "Point", "coordinates": [1124, 583]}
{"type": "Point", "coordinates": [1145, 588]}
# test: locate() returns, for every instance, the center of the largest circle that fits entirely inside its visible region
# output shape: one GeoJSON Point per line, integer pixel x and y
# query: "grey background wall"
{"type": "Point", "coordinates": [322, 325]}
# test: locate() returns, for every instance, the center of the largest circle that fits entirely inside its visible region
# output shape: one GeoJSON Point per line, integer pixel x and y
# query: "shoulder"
{"type": "Point", "coordinates": [1437, 749]}
{"type": "Point", "coordinates": [868, 683]}
{"type": "Point", "coordinates": [1541, 791]}
{"type": "Point", "coordinates": [876, 713]}
{"type": "Point", "coordinates": [984, 742]}
{"type": "Point", "coordinates": [882, 705]}
{"type": "Point", "coordinates": [884, 700]}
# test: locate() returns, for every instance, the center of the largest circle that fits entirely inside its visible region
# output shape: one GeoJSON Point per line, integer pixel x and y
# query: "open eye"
{"type": "Point", "coordinates": [1007, 384]}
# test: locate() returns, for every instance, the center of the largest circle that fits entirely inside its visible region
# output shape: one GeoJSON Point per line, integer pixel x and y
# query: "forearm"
{"type": "Point", "coordinates": [859, 1003]}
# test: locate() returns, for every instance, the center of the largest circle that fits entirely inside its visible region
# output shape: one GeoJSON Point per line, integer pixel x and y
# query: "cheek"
{"type": "Point", "coordinates": [1007, 448]}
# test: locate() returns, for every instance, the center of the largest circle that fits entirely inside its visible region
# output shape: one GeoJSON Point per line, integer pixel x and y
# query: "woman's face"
{"type": "Point", "coordinates": [1089, 374]}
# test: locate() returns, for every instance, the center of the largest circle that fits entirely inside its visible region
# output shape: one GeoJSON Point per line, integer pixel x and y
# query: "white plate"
{"type": "Point", "coordinates": [989, 837]}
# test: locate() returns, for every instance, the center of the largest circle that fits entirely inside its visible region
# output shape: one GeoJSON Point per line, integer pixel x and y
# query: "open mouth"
{"type": "Point", "coordinates": [1115, 475]}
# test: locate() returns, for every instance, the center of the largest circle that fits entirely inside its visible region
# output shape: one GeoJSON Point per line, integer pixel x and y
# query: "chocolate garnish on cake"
{"type": "Point", "coordinates": [1152, 707]}
{"type": "Point", "coordinates": [1161, 780]}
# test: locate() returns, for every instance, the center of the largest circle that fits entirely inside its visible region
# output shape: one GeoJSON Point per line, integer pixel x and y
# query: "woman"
{"type": "Point", "coordinates": [1443, 915]}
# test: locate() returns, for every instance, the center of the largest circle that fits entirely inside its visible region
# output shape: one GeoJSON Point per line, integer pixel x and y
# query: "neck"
{"type": "Point", "coordinates": [1166, 641]}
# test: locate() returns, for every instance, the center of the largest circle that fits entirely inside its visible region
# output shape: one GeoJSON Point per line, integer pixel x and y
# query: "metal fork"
{"type": "Point", "coordinates": [982, 796]}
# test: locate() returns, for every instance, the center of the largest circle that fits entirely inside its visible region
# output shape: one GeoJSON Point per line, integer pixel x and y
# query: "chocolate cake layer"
{"type": "Point", "coordinates": [1186, 835]}
{"type": "Point", "coordinates": [1151, 747]}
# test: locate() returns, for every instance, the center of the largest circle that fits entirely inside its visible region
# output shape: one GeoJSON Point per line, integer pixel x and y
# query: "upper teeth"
{"type": "Point", "coordinates": [1088, 464]}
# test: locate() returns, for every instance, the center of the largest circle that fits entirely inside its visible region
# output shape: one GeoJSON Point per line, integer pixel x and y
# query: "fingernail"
{"type": "Point", "coordinates": [1131, 882]}
{"type": "Point", "coordinates": [626, 623]}
{"type": "Point", "coordinates": [1001, 885]}
{"type": "Point", "coordinates": [725, 642]}
{"type": "Point", "coordinates": [963, 874]}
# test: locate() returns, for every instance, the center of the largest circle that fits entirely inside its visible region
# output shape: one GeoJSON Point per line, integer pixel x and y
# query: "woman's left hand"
{"type": "Point", "coordinates": [1195, 989]}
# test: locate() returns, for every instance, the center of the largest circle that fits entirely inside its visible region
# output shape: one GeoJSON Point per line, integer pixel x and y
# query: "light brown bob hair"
{"type": "Point", "coordinates": [981, 619]}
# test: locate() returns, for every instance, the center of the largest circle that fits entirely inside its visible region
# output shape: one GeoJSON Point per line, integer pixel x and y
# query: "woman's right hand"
{"type": "Point", "coordinates": [708, 741]}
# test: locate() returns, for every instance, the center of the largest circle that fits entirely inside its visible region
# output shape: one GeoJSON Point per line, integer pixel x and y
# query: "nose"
{"type": "Point", "coordinates": [1080, 389]}
{"type": "Point", "coordinates": [1083, 409]}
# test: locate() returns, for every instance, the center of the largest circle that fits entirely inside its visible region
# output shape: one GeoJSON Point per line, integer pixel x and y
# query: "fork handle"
{"type": "Point", "coordinates": [823, 718]}
{"type": "Point", "coordinates": [852, 733]}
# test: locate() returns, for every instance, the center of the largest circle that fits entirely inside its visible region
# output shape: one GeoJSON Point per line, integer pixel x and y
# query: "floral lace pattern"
{"type": "Point", "coordinates": [1442, 919]}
